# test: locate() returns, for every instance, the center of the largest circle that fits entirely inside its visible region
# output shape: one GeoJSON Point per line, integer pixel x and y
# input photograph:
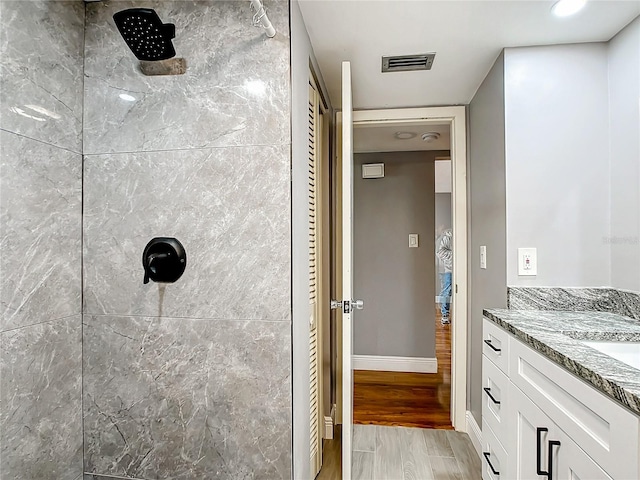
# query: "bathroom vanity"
{"type": "Point", "coordinates": [561, 395]}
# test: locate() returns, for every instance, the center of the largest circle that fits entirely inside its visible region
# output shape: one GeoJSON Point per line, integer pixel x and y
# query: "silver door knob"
{"type": "Point", "coordinates": [357, 304]}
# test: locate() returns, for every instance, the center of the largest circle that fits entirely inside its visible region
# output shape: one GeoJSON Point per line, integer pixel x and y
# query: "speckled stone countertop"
{"type": "Point", "coordinates": [556, 335]}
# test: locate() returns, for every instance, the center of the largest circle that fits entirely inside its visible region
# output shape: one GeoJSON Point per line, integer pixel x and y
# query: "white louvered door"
{"type": "Point", "coordinates": [315, 350]}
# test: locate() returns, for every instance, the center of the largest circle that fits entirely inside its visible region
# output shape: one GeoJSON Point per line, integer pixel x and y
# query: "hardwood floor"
{"type": "Point", "coordinates": [407, 399]}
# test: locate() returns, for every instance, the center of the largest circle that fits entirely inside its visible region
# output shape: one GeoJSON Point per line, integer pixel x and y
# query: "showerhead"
{"type": "Point", "coordinates": [145, 34]}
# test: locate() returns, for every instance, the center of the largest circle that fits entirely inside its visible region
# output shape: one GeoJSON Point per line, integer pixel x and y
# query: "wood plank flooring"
{"type": "Point", "coordinates": [385, 403]}
{"type": "Point", "coordinates": [407, 399]}
{"type": "Point", "coordinates": [402, 453]}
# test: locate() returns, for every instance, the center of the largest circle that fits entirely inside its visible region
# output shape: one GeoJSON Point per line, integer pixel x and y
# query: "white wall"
{"type": "Point", "coordinates": [301, 56]}
{"type": "Point", "coordinates": [557, 149]}
{"type": "Point", "coordinates": [624, 131]}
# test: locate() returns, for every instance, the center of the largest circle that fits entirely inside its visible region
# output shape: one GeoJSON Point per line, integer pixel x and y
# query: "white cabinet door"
{"type": "Point", "coordinates": [574, 464]}
{"type": "Point", "coordinates": [531, 430]}
{"type": "Point", "coordinates": [543, 450]}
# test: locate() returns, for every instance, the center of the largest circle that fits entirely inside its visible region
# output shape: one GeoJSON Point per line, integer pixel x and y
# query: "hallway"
{"type": "Point", "coordinates": [407, 399]}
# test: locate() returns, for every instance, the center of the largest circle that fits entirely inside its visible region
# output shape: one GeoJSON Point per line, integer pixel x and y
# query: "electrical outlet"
{"type": "Point", "coordinates": [527, 261]}
{"type": "Point", "coordinates": [483, 256]}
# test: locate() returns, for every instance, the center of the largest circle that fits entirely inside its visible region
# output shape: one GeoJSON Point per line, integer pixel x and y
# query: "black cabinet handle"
{"type": "Point", "coordinates": [487, 390]}
{"type": "Point", "coordinates": [539, 470]}
{"type": "Point", "coordinates": [486, 457]}
{"type": "Point", "coordinates": [552, 443]}
{"type": "Point", "coordinates": [494, 348]}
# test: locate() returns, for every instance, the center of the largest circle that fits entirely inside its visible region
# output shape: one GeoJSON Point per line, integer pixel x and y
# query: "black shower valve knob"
{"type": "Point", "coordinates": [164, 260]}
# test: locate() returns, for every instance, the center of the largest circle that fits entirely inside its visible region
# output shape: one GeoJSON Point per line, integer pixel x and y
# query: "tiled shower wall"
{"type": "Point", "coordinates": [41, 57]}
{"type": "Point", "coordinates": [190, 380]}
{"type": "Point", "coordinates": [187, 381]}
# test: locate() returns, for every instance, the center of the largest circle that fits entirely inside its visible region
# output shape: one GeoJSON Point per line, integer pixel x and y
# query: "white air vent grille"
{"type": "Point", "coordinates": [407, 63]}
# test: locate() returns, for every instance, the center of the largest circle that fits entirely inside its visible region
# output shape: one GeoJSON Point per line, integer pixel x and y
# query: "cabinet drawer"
{"type": "Point", "coordinates": [495, 344]}
{"type": "Point", "coordinates": [607, 432]}
{"type": "Point", "coordinates": [495, 400]}
{"type": "Point", "coordinates": [494, 457]}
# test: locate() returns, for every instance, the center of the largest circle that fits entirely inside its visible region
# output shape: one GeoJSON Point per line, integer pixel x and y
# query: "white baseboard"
{"type": "Point", "coordinates": [395, 364]}
{"type": "Point", "coordinates": [474, 432]}
{"type": "Point", "coordinates": [328, 428]}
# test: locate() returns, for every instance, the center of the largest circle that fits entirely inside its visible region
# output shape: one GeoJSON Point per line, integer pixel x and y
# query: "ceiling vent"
{"type": "Point", "coordinates": [408, 63]}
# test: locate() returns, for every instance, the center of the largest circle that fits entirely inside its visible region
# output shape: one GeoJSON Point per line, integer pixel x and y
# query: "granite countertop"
{"type": "Point", "coordinates": [557, 335]}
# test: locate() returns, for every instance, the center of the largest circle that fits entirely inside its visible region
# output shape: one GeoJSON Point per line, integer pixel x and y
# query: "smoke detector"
{"type": "Point", "coordinates": [430, 137]}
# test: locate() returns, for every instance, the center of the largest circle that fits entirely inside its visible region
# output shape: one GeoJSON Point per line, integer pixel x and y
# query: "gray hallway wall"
{"type": "Point", "coordinates": [487, 218]}
{"type": "Point", "coordinates": [396, 282]}
{"type": "Point", "coordinates": [40, 239]}
{"type": "Point", "coordinates": [191, 380]}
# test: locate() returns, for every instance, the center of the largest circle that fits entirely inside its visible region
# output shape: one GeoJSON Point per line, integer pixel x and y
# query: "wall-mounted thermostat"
{"type": "Point", "coordinates": [373, 170]}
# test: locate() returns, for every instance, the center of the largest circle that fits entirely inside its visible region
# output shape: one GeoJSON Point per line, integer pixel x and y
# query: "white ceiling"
{"type": "Point", "coordinates": [466, 35]}
{"type": "Point", "coordinates": [375, 138]}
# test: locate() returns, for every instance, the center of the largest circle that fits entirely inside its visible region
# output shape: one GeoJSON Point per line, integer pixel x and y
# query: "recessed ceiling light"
{"type": "Point", "coordinates": [564, 8]}
{"type": "Point", "coordinates": [430, 137]}
{"type": "Point", "coordinates": [404, 135]}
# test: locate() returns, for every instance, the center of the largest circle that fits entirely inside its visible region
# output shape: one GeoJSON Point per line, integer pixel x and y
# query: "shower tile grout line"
{"type": "Point", "coordinates": [84, 63]}
{"type": "Point", "coordinates": [107, 477]}
{"type": "Point", "coordinates": [170, 317]}
{"type": "Point", "coordinates": [57, 319]}
{"type": "Point", "coordinates": [41, 141]}
{"type": "Point", "coordinates": [187, 149]}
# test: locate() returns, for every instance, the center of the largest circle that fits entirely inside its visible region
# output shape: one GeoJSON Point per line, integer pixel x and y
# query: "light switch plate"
{"type": "Point", "coordinates": [527, 261]}
{"type": "Point", "coordinates": [413, 240]}
{"type": "Point", "coordinates": [483, 256]}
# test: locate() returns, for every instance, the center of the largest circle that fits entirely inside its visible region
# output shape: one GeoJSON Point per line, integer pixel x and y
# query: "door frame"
{"type": "Point", "coordinates": [455, 117]}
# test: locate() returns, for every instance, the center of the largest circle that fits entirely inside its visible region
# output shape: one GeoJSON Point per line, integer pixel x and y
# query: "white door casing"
{"type": "Point", "coordinates": [347, 269]}
{"type": "Point", "coordinates": [455, 117]}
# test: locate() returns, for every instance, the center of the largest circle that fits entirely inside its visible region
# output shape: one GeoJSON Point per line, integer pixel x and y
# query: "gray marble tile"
{"type": "Point", "coordinates": [41, 46]}
{"type": "Point", "coordinates": [40, 401]}
{"type": "Point", "coordinates": [558, 335]}
{"type": "Point", "coordinates": [185, 399]}
{"type": "Point", "coordinates": [415, 459]}
{"type": "Point", "coordinates": [388, 461]}
{"type": "Point", "coordinates": [364, 438]}
{"type": "Point", "coordinates": [362, 465]}
{"type": "Point", "coordinates": [40, 232]}
{"type": "Point", "coordinates": [229, 207]}
{"type": "Point", "coordinates": [235, 90]}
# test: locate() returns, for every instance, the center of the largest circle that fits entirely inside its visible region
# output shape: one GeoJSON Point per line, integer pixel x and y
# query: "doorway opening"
{"type": "Point", "coordinates": [401, 350]}
{"type": "Point", "coordinates": [343, 173]}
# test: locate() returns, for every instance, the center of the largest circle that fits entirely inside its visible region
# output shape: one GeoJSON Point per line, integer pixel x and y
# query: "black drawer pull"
{"type": "Point", "coordinates": [494, 348]}
{"type": "Point", "coordinates": [539, 470]}
{"type": "Point", "coordinates": [487, 390]}
{"type": "Point", "coordinates": [486, 457]}
{"type": "Point", "coordinates": [552, 443]}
